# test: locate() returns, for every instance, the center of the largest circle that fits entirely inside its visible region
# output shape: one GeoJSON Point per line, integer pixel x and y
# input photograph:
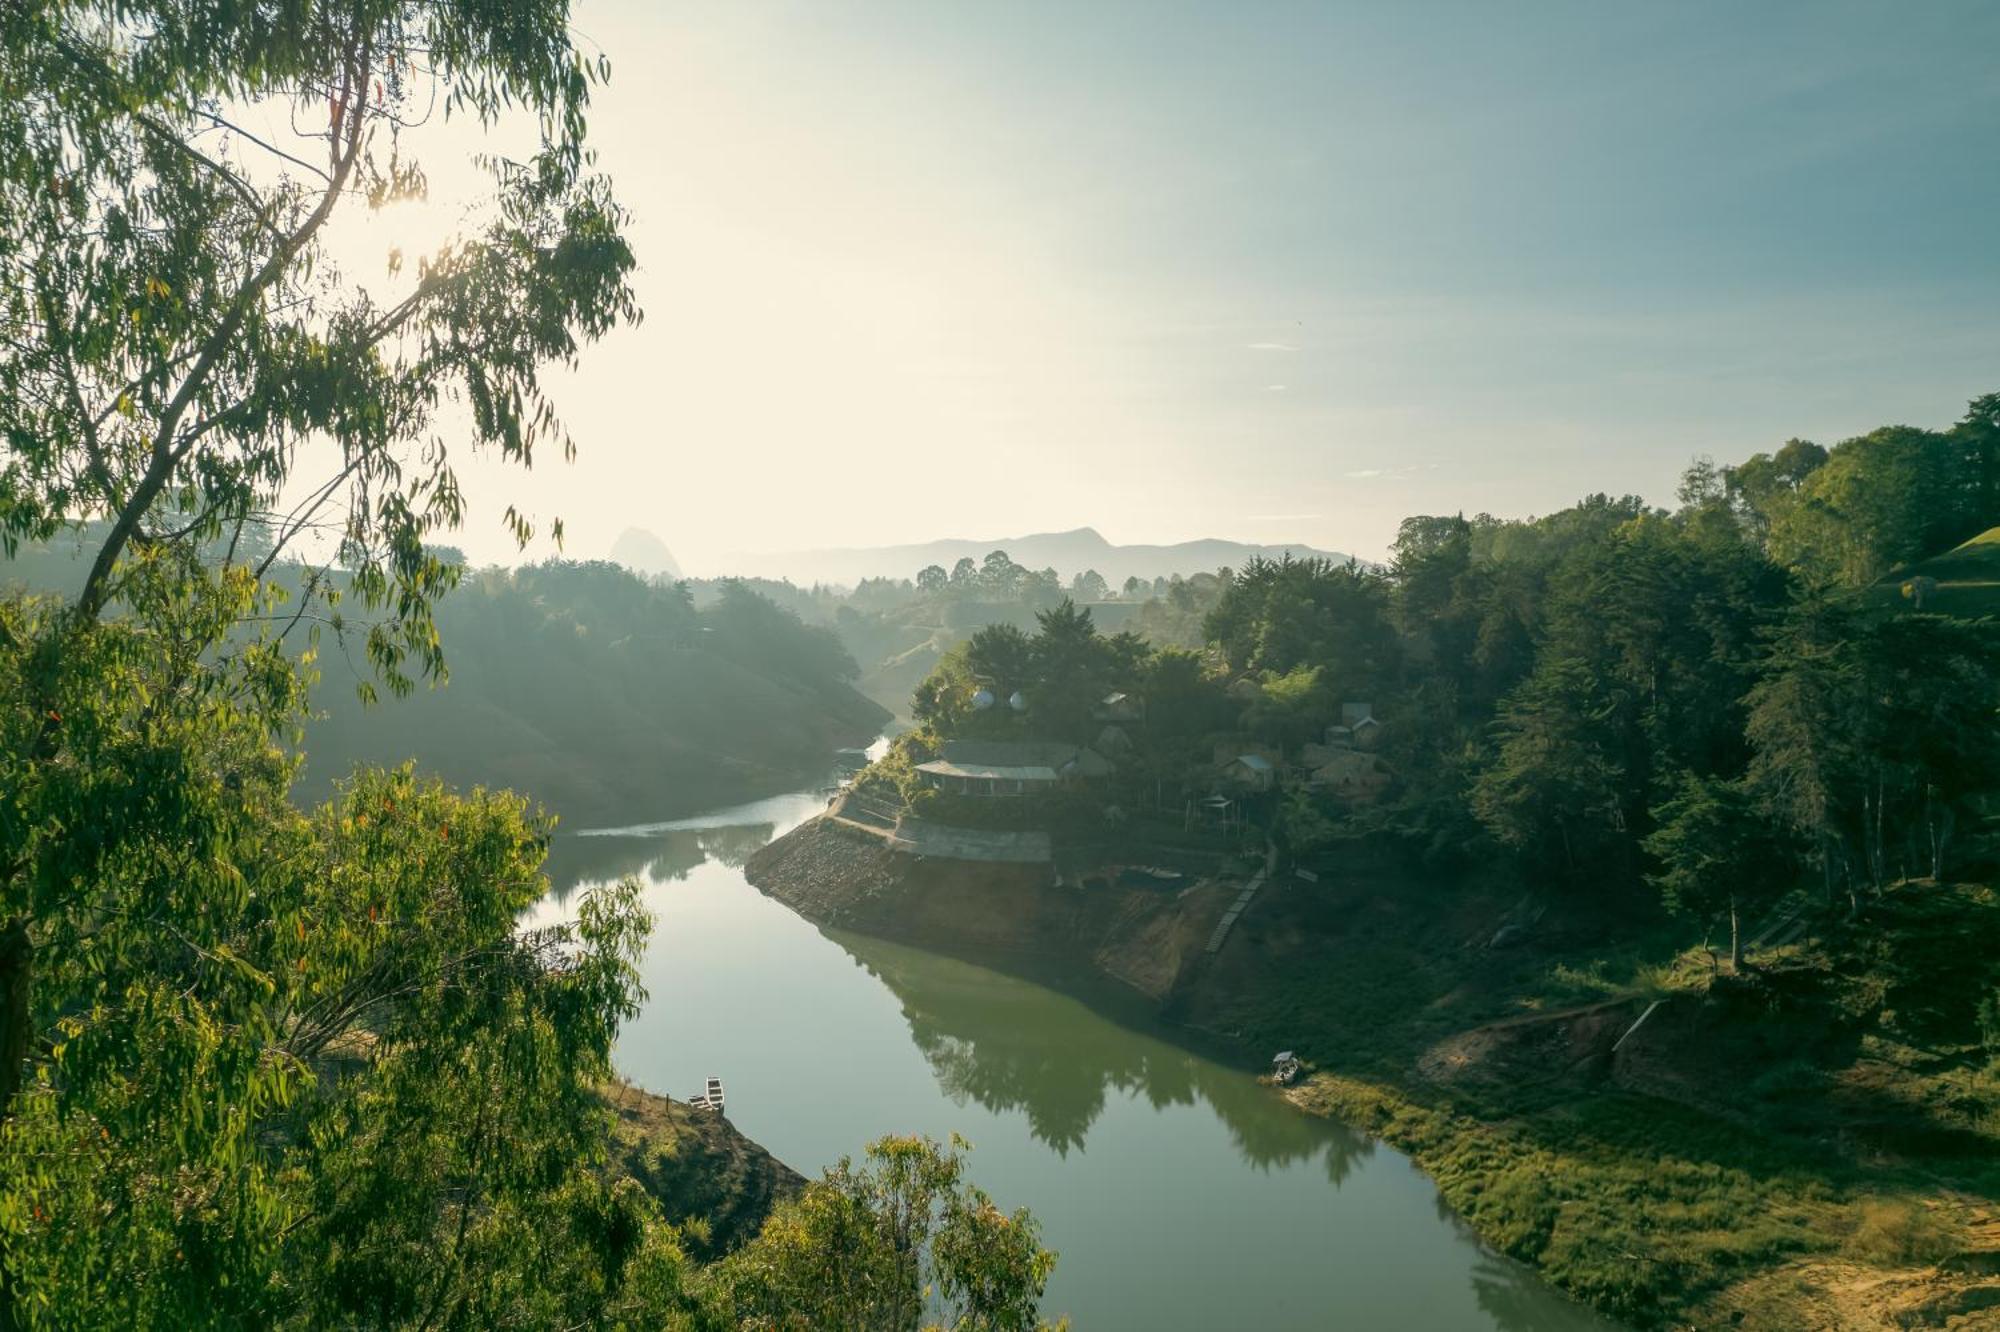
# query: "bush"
{"type": "Point", "coordinates": [1890, 1234]}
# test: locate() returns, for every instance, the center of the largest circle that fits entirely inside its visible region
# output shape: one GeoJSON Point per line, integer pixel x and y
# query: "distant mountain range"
{"type": "Point", "coordinates": [1068, 553]}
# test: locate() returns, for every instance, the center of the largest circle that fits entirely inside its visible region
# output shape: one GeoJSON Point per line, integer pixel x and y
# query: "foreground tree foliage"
{"type": "Point", "coordinates": [262, 1066]}
{"type": "Point", "coordinates": [900, 1242]}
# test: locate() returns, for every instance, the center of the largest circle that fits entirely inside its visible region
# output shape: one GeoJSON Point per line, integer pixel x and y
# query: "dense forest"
{"type": "Point", "coordinates": [698, 694]}
{"type": "Point", "coordinates": [606, 697]}
{"type": "Point", "coordinates": [1698, 706]}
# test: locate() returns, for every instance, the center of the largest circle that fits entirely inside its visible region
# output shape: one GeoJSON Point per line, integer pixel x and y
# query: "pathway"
{"type": "Point", "coordinates": [1242, 902]}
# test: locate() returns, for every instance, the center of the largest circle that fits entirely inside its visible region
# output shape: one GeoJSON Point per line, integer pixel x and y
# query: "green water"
{"type": "Point", "coordinates": [1180, 1194]}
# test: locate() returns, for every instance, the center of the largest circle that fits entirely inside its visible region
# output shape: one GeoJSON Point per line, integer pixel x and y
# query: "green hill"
{"type": "Point", "coordinates": [1966, 579]}
{"type": "Point", "coordinates": [601, 695]}
{"type": "Point", "coordinates": [606, 698]}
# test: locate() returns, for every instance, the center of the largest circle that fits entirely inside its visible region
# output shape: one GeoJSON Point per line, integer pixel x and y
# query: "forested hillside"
{"type": "Point", "coordinates": [605, 697]}
{"type": "Point", "coordinates": [587, 688]}
{"type": "Point", "coordinates": [1689, 709]}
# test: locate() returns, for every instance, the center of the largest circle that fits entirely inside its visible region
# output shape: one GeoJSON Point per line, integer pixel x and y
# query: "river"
{"type": "Point", "coordinates": [1179, 1193]}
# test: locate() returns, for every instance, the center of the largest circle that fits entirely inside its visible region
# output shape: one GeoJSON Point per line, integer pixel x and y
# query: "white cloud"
{"type": "Point", "coordinates": [1274, 388]}
{"type": "Point", "coordinates": [1272, 346]}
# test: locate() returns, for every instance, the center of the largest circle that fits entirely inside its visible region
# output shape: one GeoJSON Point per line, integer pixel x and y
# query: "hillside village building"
{"type": "Point", "coordinates": [1351, 775]}
{"type": "Point", "coordinates": [1251, 770]}
{"type": "Point", "coordinates": [996, 768]}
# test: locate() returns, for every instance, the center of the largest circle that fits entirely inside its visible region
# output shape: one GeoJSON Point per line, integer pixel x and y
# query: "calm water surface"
{"type": "Point", "coordinates": [1180, 1194]}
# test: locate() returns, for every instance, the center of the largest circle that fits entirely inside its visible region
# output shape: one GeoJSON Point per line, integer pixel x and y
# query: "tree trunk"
{"type": "Point", "coordinates": [1735, 939]}
{"type": "Point", "coordinates": [1881, 855]}
{"type": "Point", "coordinates": [1941, 829]}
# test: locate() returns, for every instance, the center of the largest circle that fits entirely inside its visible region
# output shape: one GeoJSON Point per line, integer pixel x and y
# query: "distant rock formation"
{"type": "Point", "coordinates": [643, 553]}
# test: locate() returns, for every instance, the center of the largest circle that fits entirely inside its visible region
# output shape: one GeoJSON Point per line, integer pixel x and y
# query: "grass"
{"type": "Point", "coordinates": [1892, 1233]}
{"type": "Point", "coordinates": [1968, 579]}
{"type": "Point", "coordinates": [1821, 1114]}
{"type": "Point", "coordinates": [1640, 1210]}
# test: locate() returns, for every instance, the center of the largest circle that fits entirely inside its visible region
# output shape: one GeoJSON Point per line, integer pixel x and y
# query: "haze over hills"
{"type": "Point", "coordinates": [1068, 553]}
{"type": "Point", "coordinates": [644, 553]}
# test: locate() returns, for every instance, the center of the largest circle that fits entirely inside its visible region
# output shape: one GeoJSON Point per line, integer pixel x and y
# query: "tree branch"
{"type": "Point", "coordinates": [167, 452]}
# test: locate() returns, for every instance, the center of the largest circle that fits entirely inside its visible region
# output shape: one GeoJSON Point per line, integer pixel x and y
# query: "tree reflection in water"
{"type": "Point", "coordinates": [1513, 1296]}
{"type": "Point", "coordinates": [1014, 1046]}
{"type": "Point", "coordinates": [665, 855]}
{"type": "Point", "coordinates": [1517, 1301]}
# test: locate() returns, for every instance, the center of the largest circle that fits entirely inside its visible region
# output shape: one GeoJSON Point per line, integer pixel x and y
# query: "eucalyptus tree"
{"type": "Point", "coordinates": [243, 436]}
{"type": "Point", "coordinates": [186, 373]}
{"type": "Point", "coordinates": [182, 354]}
{"type": "Point", "coordinates": [899, 1242]}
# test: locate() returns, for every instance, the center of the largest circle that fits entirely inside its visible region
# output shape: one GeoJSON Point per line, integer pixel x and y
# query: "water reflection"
{"type": "Point", "coordinates": [1133, 1152]}
{"type": "Point", "coordinates": [1014, 1046]}
{"type": "Point", "coordinates": [663, 853]}
{"type": "Point", "coordinates": [1517, 1301]}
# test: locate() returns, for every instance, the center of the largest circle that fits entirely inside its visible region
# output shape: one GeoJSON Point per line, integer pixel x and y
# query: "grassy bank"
{"type": "Point", "coordinates": [1813, 1145]}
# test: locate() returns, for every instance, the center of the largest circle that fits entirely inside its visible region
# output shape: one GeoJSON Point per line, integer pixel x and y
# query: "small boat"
{"type": "Point", "coordinates": [1285, 1068]}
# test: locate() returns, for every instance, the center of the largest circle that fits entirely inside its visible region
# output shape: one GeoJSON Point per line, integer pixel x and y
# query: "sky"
{"type": "Point", "coordinates": [1277, 273]}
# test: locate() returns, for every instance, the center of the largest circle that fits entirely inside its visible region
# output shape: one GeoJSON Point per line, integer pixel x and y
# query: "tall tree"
{"type": "Point", "coordinates": [1072, 670]}
{"type": "Point", "coordinates": [999, 577]}
{"type": "Point", "coordinates": [179, 350]}
{"type": "Point", "coordinates": [1805, 725]}
{"type": "Point", "coordinates": [188, 379]}
{"type": "Point", "coordinates": [1555, 788]}
{"type": "Point", "coordinates": [1089, 586]}
{"type": "Point", "coordinates": [1978, 436]}
{"type": "Point", "coordinates": [1001, 658]}
{"type": "Point", "coordinates": [1717, 854]}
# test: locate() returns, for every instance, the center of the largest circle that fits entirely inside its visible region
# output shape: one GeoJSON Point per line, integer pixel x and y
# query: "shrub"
{"type": "Point", "coordinates": [1889, 1233]}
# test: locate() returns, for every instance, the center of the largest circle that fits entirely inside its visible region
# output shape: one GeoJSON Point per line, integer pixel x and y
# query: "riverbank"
{"type": "Point", "coordinates": [1800, 1148]}
{"type": "Point", "coordinates": [1178, 1192]}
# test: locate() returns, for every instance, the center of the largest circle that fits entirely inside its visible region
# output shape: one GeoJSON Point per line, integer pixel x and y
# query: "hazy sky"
{"type": "Point", "coordinates": [1271, 272]}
